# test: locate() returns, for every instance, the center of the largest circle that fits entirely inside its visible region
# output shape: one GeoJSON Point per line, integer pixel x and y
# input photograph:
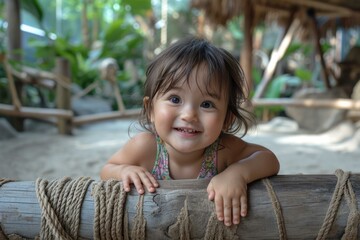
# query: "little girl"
{"type": "Point", "coordinates": [192, 109]}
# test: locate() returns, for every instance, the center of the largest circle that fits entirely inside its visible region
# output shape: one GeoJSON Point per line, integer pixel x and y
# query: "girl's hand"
{"type": "Point", "coordinates": [140, 177]}
{"type": "Point", "coordinates": [229, 192]}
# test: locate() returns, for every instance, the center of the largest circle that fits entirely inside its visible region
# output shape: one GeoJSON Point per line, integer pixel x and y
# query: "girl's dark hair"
{"type": "Point", "coordinates": [179, 60]}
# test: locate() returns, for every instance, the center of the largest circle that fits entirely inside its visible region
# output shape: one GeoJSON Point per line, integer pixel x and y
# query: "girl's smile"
{"type": "Point", "coordinates": [187, 132]}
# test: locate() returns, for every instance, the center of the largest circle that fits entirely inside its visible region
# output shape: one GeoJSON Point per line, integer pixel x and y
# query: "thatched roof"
{"type": "Point", "coordinates": [220, 12]}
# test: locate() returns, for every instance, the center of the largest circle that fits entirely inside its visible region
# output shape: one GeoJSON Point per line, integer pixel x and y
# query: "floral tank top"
{"type": "Point", "coordinates": [161, 167]}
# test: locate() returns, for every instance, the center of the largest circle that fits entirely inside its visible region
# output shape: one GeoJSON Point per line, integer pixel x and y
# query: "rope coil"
{"type": "Point", "coordinates": [61, 203]}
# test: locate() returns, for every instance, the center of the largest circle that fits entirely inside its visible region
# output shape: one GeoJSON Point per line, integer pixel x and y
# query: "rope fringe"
{"type": "Point", "coordinates": [343, 187]}
{"type": "Point", "coordinates": [181, 229]}
{"type": "Point", "coordinates": [110, 220]}
{"type": "Point", "coordinates": [139, 229]}
{"type": "Point", "coordinates": [216, 230]}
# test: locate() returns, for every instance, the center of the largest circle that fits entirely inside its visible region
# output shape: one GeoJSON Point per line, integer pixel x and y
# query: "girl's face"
{"type": "Point", "coordinates": [188, 118]}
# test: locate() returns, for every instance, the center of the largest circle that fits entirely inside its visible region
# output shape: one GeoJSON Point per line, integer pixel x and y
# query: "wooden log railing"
{"type": "Point", "coordinates": [308, 207]}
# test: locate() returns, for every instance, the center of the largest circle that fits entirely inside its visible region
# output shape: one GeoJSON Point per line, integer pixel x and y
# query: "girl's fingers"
{"type": "Point", "coordinates": [243, 210]}
{"type": "Point", "coordinates": [219, 204]}
{"type": "Point", "coordinates": [138, 184]}
{"type": "Point", "coordinates": [210, 191]}
{"type": "Point", "coordinates": [126, 185]}
{"type": "Point", "coordinates": [140, 179]}
{"type": "Point", "coordinates": [152, 180]}
{"type": "Point", "coordinates": [146, 181]}
{"type": "Point", "coordinates": [227, 212]}
{"type": "Point", "coordinates": [236, 211]}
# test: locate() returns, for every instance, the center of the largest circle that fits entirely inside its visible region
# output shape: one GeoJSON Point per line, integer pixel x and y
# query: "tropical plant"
{"type": "Point", "coordinates": [120, 39]}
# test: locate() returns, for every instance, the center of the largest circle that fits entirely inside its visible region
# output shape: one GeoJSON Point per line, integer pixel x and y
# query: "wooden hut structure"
{"type": "Point", "coordinates": [292, 15]}
{"type": "Point", "coordinates": [58, 81]}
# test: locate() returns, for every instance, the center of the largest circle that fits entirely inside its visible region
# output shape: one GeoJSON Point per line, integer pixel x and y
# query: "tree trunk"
{"type": "Point", "coordinates": [302, 203]}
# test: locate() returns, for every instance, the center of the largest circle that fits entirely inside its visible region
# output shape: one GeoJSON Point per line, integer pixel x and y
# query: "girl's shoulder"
{"type": "Point", "coordinates": [230, 141]}
{"type": "Point", "coordinates": [230, 148]}
{"type": "Point", "coordinates": [143, 140]}
{"type": "Point", "coordinates": [141, 149]}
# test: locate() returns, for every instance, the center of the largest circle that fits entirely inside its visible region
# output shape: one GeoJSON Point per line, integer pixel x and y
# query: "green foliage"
{"type": "Point", "coordinates": [303, 74]}
{"type": "Point", "coordinates": [4, 91]}
{"type": "Point", "coordinates": [281, 85]}
{"type": "Point", "coordinates": [82, 72]}
{"type": "Point", "coordinates": [122, 41]}
{"type": "Point", "coordinates": [304, 48]}
{"type": "Point", "coordinates": [138, 7]}
{"type": "Point", "coordinates": [256, 75]}
{"type": "Point", "coordinates": [233, 27]}
{"type": "Point", "coordinates": [33, 7]}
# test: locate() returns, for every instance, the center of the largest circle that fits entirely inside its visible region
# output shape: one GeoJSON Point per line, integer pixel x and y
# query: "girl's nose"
{"type": "Point", "coordinates": [189, 114]}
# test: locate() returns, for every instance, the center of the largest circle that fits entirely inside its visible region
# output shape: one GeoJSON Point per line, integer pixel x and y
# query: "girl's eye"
{"type": "Point", "coordinates": [174, 99]}
{"type": "Point", "coordinates": [207, 104]}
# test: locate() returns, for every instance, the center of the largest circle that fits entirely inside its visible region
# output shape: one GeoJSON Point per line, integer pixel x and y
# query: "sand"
{"type": "Point", "coordinates": [41, 152]}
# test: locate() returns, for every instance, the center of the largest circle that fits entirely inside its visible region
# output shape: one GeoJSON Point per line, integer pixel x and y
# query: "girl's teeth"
{"type": "Point", "coordinates": [187, 130]}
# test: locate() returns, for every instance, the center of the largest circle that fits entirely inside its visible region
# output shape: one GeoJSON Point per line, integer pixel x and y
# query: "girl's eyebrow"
{"type": "Point", "coordinates": [175, 88]}
{"type": "Point", "coordinates": [214, 95]}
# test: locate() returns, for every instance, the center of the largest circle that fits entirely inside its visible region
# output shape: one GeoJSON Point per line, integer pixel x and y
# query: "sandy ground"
{"type": "Point", "coordinates": [41, 152]}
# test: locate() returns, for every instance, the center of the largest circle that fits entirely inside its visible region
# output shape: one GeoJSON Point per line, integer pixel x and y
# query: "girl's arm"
{"type": "Point", "coordinates": [133, 163]}
{"type": "Point", "coordinates": [244, 163]}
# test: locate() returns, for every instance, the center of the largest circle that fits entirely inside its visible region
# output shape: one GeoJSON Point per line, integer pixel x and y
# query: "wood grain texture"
{"type": "Point", "coordinates": [304, 200]}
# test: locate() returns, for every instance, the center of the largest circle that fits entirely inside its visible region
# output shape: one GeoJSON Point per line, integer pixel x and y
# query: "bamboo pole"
{"type": "Point", "coordinates": [86, 119]}
{"type": "Point", "coordinates": [276, 55]}
{"type": "Point", "coordinates": [32, 112]}
{"type": "Point", "coordinates": [339, 103]}
{"type": "Point", "coordinates": [63, 95]}
{"type": "Point", "coordinates": [303, 200]}
{"type": "Point", "coordinates": [246, 56]}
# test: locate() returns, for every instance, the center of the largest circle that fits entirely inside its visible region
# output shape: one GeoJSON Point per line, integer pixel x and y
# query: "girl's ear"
{"type": "Point", "coordinates": [147, 107]}
{"type": "Point", "coordinates": [146, 102]}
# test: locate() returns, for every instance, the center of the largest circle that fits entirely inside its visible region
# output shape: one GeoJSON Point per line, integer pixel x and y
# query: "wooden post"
{"type": "Point", "coordinates": [246, 57]}
{"type": "Point", "coordinates": [13, 48]}
{"type": "Point", "coordinates": [63, 95]}
{"type": "Point", "coordinates": [319, 50]}
{"type": "Point", "coordinates": [304, 201]}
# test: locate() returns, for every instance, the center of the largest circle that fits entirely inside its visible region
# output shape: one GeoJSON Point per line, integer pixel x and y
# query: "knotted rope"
{"type": "Point", "coordinates": [343, 187]}
{"type": "Point", "coordinates": [110, 217]}
{"type": "Point", "coordinates": [60, 202]}
{"type": "Point", "coordinates": [277, 209]}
